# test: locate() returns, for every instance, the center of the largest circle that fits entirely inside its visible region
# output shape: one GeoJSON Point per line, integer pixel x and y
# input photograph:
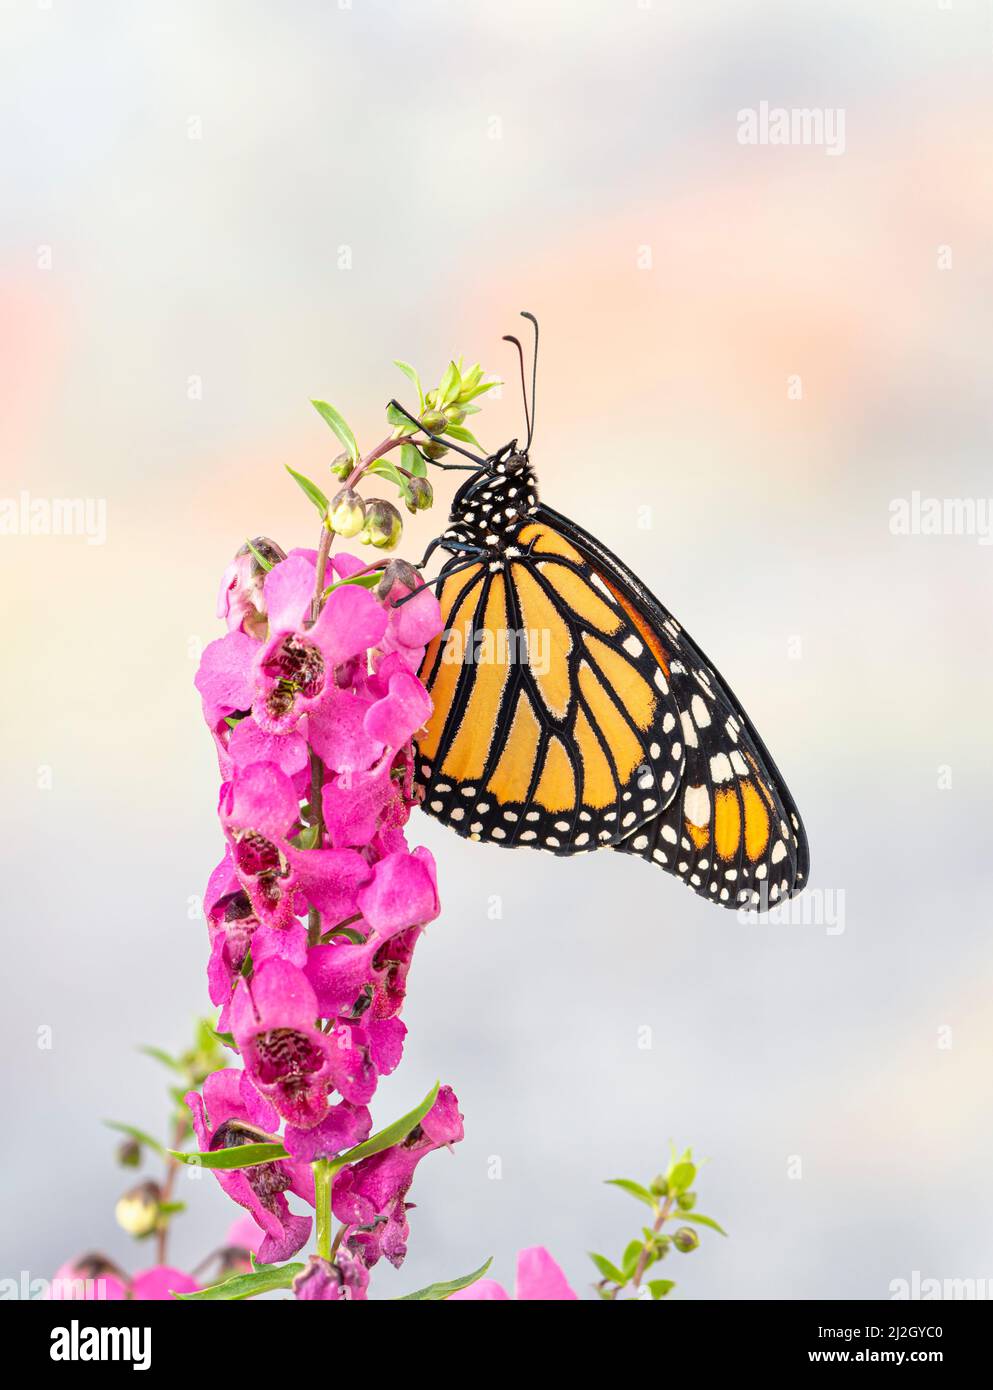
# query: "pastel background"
{"type": "Point", "coordinates": [199, 173]}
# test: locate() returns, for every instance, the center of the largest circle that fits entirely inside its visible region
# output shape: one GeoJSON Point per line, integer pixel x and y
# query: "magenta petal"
{"type": "Point", "coordinates": [539, 1277]}
{"type": "Point", "coordinates": [481, 1291]}
{"type": "Point", "coordinates": [351, 622]}
{"type": "Point", "coordinates": [248, 744]}
{"type": "Point", "coordinates": [345, 565]}
{"type": "Point", "coordinates": [161, 1282]}
{"type": "Point", "coordinates": [338, 735]}
{"type": "Point", "coordinates": [406, 708]}
{"type": "Point", "coordinates": [345, 1126]}
{"type": "Point", "coordinates": [355, 801]}
{"type": "Point", "coordinates": [260, 798]}
{"type": "Point", "coordinates": [403, 892]}
{"type": "Point", "coordinates": [415, 623]}
{"type": "Point", "coordinates": [289, 590]}
{"type": "Point", "coordinates": [386, 1037]}
{"type": "Point", "coordinates": [338, 973]}
{"type": "Point", "coordinates": [224, 677]}
{"type": "Point", "coordinates": [330, 880]}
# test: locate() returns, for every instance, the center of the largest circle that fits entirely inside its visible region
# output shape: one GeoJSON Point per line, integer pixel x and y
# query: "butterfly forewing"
{"type": "Point", "coordinates": [554, 724]}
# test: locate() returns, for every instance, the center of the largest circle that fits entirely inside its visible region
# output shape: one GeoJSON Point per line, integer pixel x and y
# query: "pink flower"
{"type": "Point", "coordinates": [539, 1278]}
{"type": "Point", "coordinates": [402, 892]}
{"type": "Point", "coordinates": [230, 1113]}
{"type": "Point", "coordinates": [296, 665]}
{"type": "Point", "coordinates": [240, 601]}
{"type": "Point", "coordinates": [161, 1282]}
{"type": "Point", "coordinates": [347, 1278]}
{"type": "Point", "coordinates": [371, 1194]}
{"type": "Point", "coordinates": [412, 625]}
{"type": "Point", "coordinates": [87, 1279]}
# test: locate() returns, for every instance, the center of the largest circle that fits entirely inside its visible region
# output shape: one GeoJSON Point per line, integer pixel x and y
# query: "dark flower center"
{"type": "Point", "coordinates": [255, 855]}
{"type": "Point", "coordinates": [299, 665]}
{"type": "Point", "coordinates": [285, 1055]}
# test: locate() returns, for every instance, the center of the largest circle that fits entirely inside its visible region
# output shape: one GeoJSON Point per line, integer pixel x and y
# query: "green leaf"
{"type": "Point", "coordinates": [410, 458]}
{"type": "Point", "coordinates": [681, 1176]}
{"type": "Point", "coordinates": [241, 1156]}
{"type": "Point", "coordinates": [464, 436]}
{"type": "Point", "coordinates": [695, 1218]}
{"type": "Point", "coordinates": [226, 1038]}
{"type": "Point", "coordinates": [171, 1208]}
{"type": "Point", "coordinates": [411, 375]}
{"type": "Point", "coordinates": [364, 581]}
{"type": "Point", "coordinates": [385, 468]}
{"type": "Point", "coordinates": [635, 1189]}
{"type": "Point", "coordinates": [263, 1279]}
{"type": "Point", "coordinates": [632, 1255]}
{"type": "Point", "coordinates": [608, 1270]}
{"type": "Point", "coordinates": [331, 417]}
{"type": "Point", "coordinates": [311, 490]}
{"type": "Point", "coordinates": [260, 559]}
{"type": "Point", "coordinates": [391, 1135]}
{"type": "Point", "coordinates": [478, 391]}
{"type": "Point", "coordinates": [161, 1056]}
{"type": "Point", "coordinates": [434, 1292]}
{"type": "Point", "coordinates": [450, 384]}
{"type": "Point", "coordinates": [660, 1287]}
{"type": "Point", "coordinates": [138, 1134]}
{"type": "Point", "coordinates": [397, 418]}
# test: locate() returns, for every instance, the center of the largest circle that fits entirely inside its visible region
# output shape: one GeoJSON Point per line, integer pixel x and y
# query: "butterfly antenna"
{"type": "Point", "coordinates": [509, 338]}
{"type": "Point", "coordinates": [438, 439]}
{"type": "Point", "coordinates": [534, 372]}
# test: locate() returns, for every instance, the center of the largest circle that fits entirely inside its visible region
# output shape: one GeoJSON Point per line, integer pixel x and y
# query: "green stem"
{"type": "Point", "coordinates": [323, 1180]}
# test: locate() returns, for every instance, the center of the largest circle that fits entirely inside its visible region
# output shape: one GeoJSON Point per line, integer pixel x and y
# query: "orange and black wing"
{"type": "Point", "coordinates": [732, 831]}
{"type": "Point", "coordinates": [554, 724]}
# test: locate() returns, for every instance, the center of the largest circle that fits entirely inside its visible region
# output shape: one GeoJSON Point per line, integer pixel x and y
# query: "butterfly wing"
{"type": "Point", "coordinates": [732, 832]}
{"type": "Point", "coordinates": [554, 725]}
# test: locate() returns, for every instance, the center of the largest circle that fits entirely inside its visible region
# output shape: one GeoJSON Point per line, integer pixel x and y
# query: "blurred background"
{"type": "Point", "coordinates": [752, 354]}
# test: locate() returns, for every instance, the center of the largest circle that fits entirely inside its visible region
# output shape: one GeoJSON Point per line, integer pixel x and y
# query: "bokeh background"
{"type": "Point", "coordinates": [214, 211]}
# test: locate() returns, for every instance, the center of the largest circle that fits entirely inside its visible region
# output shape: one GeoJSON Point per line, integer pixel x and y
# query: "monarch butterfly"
{"type": "Point", "coordinates": [572, 712]}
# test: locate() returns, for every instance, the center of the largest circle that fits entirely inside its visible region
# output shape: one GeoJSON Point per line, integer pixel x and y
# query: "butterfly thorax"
{"type": "Point", "coordinates": [490, 508]}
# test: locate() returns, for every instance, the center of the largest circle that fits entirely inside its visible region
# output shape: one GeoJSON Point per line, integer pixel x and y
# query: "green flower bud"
{"type": "Point", "coordinates": [434, 421]}
{"type": "Point", "coordinates": [137, 1212]}
{"type": "Point", "coordinates": [420, 495]}
{"type": "Point", "coordinates": [433, 449]}
{"type": "Point", "coordinates": [342, 466]}
{"type": "Point", "coordinates": [383, 524]}
{"type": "Point", "coordinates": [129, 1153]}
{"type": "Point", "coordinates": [685, 1239]}
{"type": "Point", "coordinates": [658, 1186]}
{"type": "Point", "coordinates": [686, 1201]}
{"type": "Point", "coordinates": [454, 414]}
{"type": "Point", "coordinates": [347, 513]}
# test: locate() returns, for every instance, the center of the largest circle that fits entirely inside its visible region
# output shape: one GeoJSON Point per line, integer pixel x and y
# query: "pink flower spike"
{"type": "Point", "coordinates": [338, 734]}
{"type": "Point", "coordinates": [405, 709]}
{"type": "Point", "coordinates": [403, 892]}
{"type": "Point", "coordinates": [351, 621]}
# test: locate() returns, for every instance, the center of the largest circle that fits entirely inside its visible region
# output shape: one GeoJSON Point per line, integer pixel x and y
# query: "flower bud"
{"type": "Point", "coordinates": [685, 1239]}
{"type": "Point", "coordinates": [433, 449]}
{"type": "Point", "coordinates": [347, 513]}
{"type": "Point", "coordinates": [454, 414]}
{"type": "Point", "coordinates": [342, 466]}
{"type": "Point", "coordinates": [686, 1201]}
{"type": "Point", "coordinates": [241, 601]}
{"type": "Point", "coordinates": [137, 1212]}
{"type": "Point", "coordinates": [383, 524]}
{"type": "Point", "coordinates": [129, 1153]}
{"type": "Point", "coordinates": [399, 572]}
{"type": "Point", "coordinates": [659, 1186]}
{"type": "Point", "coordinates": [434, 421]}
{"type": "Point", "coordinates": [420, 495]}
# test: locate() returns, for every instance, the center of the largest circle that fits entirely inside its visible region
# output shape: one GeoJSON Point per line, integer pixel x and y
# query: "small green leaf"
{"type": "Point", "coordinates": [385, 468]}
{"type": "Point", "coordinates": [635, 1189]}
{"type": "Point", "coordinates": [138, 1134]}
{"type": "Point", "coordinates": [608, 1270]}
{"type": "Point", "coordinates": [349, 933]}
{"type": "Point", "coordinates": [226, 1038]}
{"type": "Point", "coordinates": [695, 1218]}
{"type": "Point", "coordinates": [171, 1208]}
{"type": "Point", "coordinates": [434, 1292]}
{"type": "Point", "coordinates": [403, 425]}
{"type": "Point", "coordinates": [241, 1156]}
{"type": "Point", "coordinates": [307, 838]}
{"type": "Point", "coordinates": [410, 458]}
{"type": "Point", "coordinates": [260, 559]}
{"type": "Point", "coordinates": [631, 1256]}
{"type": "Point", "coordinates": [331, 417]}
{"type": "Point", "coordinates": [478, 391]}
{"type": "Point", "coordinates": [411, 375]}
{"type": "Point", "coordinates": [161, 1056]}
{"type": "Point", "coordinates": [464, 436]}
{"type": "Point", "coordinates": [263, 1279]}
{"type": "Point", "coordinates": [681, 1176]}
{"type": "Point", "coordinates": [660, 1287]}
{"type": "Point", "coordinates": [364, 581]}
{"type": "Point", "coordinates": [450, 384]}
{"type": "Point", "coordinates": [389, 1136]}
{"type": "Point", "coordinates": [311, 490]}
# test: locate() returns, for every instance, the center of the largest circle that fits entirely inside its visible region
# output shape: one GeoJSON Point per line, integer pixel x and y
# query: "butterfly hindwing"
{"type": "Point", "coordinates": [732, 831]}
{"type": "Point", "coordinates": [554, 725]}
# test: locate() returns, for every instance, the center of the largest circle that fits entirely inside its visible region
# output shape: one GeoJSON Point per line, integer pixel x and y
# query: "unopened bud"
{"type": "Point", "coordinates": [383, 524]}
{"type": "Point", "coordinates": [241, 601]}
{"type": "Point", "coordinates": [433, 449]}
{"type": "Point", "coordinates": [342, 466]}
{"type": "Point", "coordinates": [400, 573]}
{"type": "Point", "coordinates": [129, 1153]}
{"type": "Point", "coordinates": [659, 1186]}
{"type": "Point", "coordinates": [420, 495]}
{"type": "Point", "coordinates": [347, 513]}
{"type": "Point", "coordinates": [454, 414]}
{"type": "Point", "coordinates": [434, 421]}
{"type": "Point", "coordinates": [685, 1239]}
{"type": "Point", "coordinates": [137, 1212]}
{"type": "Point", "coordinates": [686, 1201]}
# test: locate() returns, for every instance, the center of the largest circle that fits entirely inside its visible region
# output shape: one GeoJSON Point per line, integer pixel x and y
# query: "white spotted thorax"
{"type": "Point", "coordinates": [487, 511]}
